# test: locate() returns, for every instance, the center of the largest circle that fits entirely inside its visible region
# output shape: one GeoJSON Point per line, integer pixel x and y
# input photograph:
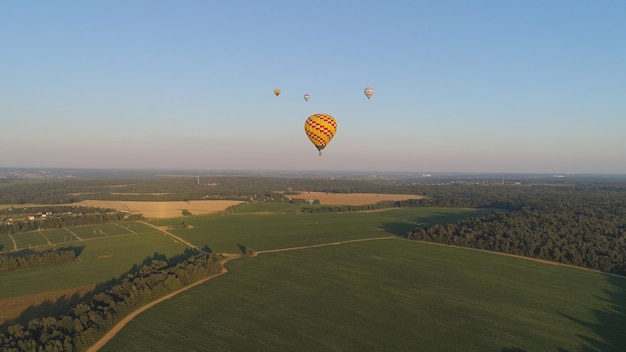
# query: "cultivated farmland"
{"type": "Point", "coordinates": [387, 295]}
{"type": "Point", "coordinates": [332, 278]}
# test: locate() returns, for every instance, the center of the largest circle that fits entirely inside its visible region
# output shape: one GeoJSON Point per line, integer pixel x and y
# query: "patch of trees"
{"type": "Point", "coordinates": [379, 205]}
{"type": "Point", "coordinates": [579, 225]}
{"type": "Point", "coordinates": [86, 323]}
{"type": "Point", "coordinates": [27, 259]}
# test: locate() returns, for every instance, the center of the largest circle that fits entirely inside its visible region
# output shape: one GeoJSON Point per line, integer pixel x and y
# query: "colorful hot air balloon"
{"type": "Point", "coordinates": [369, 91]}
{"type": "Point", "coordinates": [276, 92]}
{"type": "Point", "coordinates": [306, 97]}
{"type": "Point", "coordinates": [320, 128]}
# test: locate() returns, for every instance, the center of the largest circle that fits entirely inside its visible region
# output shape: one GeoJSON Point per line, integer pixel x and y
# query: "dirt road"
{"type": "Point", "coordinates": [119, 326]}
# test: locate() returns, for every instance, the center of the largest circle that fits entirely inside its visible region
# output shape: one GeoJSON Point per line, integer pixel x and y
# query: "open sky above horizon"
{"type": "Point", "coordinates": [460, 86]}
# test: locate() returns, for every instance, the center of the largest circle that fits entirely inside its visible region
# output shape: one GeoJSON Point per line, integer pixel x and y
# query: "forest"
{"type": "Point", "coordinates": [581, 224]}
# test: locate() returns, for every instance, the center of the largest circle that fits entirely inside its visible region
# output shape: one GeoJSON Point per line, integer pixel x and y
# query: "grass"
{"type": "Point", "coordinates": [5, 242]}
{"type": "Point", "coordinates": [29, 239]}
{"type": "Point", "coordinates": [58, 235]}
{"type": "Point", "coordinates": [387, 295]}
{"type": "Point", "coordinates": [114, 229]}
{"type": "Point", "coordinates": [100, 260]}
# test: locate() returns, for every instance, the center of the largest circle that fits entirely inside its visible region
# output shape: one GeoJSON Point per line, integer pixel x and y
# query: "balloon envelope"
{"type": "Point", "coordinates": [369, 91]}
{"type": "Point", "coordinates": [320, 128]}
{"type": "Point", "coordinates": [306, 97]}
{"type": "Point", "coordinates": [277, 92]}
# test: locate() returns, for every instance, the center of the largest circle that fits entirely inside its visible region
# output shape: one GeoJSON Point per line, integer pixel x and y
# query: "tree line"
{"type": "Point", "coordinates": [28, 259]}
{"type": "Point", "coordinates": [87, 322]}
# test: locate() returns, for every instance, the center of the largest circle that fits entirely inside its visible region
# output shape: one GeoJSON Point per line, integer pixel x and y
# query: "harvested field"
{"type": "Point", "coordinates": [161, 210]}
{"type": "Point", "coordinates": [352, 198]}
{"type": "Point", "coordinates": [154, 210]}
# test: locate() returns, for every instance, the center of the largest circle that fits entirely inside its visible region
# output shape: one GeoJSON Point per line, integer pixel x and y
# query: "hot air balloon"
{"type": "Point", "coordinates": [276, 92]}
{"type": "Point", "coordinates": [320, 128]}
{"type": "Point", "coordinates": [369, 91]}
{"type": "Point", "coordinates": [306, 97]}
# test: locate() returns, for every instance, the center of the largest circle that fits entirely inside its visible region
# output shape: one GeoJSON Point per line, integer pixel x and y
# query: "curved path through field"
{"type": "Point", "coordinates": [119, 326]}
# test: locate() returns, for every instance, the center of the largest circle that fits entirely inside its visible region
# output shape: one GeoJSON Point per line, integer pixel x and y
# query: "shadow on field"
{"type": "Point", "coordinates": [513, 349]}
{"type": "Point", "coordinates": [77, 250]}
{"type": "Point", "coordinates": [402, 228]}
{"type": "Point", "coordinates": [58, 306]}
{"type": "Point", "coordinates": [399, 228]}
{"type": "Point", "coordinates": [609, 328]}
{"type": "Point", "coordinates": [1, 247]}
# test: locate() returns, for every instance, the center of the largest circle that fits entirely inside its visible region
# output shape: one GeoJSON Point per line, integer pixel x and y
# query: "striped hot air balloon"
{"type": "Point", "coordinates": [306, 97]}
{"type": "Point", "coordinates": [369, 91]}
{"type": "Point", "coordinates": [320, 128]}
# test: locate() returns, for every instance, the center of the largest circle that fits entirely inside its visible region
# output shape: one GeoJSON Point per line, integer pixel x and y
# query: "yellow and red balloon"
{"type": "Point", "coordinates": [320, 128]}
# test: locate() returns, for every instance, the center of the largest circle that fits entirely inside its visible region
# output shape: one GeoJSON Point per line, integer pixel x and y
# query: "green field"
{"type": "Point", "coordinates": [99, 261]}
{"type": "Point", "coordinates": [388, 295]}
{"type": "Point", "coordinates": [58, 235]}
{"type": "Point", "coordinates": [29, 239]}
{"type": "Point", "coordinates": [5, 242]}
{"type": "Point", "coordinates": [223, 233]}
{"type": "Point", "coordinates": [104, 257]}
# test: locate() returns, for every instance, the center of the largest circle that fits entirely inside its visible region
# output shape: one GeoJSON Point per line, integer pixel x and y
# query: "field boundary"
{"type": "Point", "coordinates": [537, 260]}
{"type": "Point", "coordinates": [324, 244]}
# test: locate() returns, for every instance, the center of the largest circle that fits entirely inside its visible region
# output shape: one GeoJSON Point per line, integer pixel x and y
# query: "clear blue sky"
{"type": "Point", "coordinates": [468, 86]}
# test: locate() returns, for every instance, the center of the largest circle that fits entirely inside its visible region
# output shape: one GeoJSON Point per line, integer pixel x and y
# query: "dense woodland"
{"type": "Point", "coordinates": [583, 225]}
{"type": "Point", "coordinates": [89, 321]}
